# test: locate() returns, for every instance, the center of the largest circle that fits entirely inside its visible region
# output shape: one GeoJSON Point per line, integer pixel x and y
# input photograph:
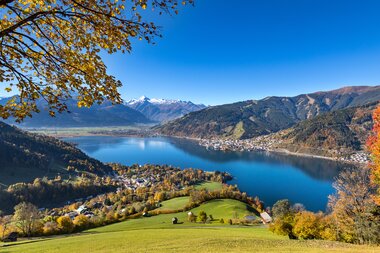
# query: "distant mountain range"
{"type": "Point", "coordinates": [105, 114]}
{"type": "Point", "coordinates": [162, 110]}
{"type": "Point", "coordinates": [254, 118]}
{"type": "Point", "coordinates": [134, 112]}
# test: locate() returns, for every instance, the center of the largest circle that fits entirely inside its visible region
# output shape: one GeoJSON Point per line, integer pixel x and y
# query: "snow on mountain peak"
{"type": "Point", "coordinates": [160, 101]}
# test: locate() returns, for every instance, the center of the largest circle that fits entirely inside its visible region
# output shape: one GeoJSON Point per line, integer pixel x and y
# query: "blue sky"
{"type": "Point", "coordinates": [222, 51]}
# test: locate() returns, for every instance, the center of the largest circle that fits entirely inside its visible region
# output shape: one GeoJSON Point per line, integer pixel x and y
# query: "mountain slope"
{"type": "Point", "coordinates": [253, 118]}
{"type": "Point", "coordinates": [25, 156]}
{"type": "Point", "coordinates": [161, 110]}
{"type": "Point", "coordinates": [105, 114]}
{"type": "Point", "coordinates": [330, 134]}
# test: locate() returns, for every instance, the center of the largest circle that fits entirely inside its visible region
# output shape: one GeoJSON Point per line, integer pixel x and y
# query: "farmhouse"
{"type": "Point", "coordinates": [266, 217]}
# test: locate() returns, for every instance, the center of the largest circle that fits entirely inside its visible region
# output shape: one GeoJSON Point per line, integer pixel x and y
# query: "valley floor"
{"type": "Point", "coordinates": [158, 234]}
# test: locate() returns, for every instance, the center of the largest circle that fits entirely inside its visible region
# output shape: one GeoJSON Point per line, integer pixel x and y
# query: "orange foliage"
{"type": "Point", "coordinates": [374, 147]}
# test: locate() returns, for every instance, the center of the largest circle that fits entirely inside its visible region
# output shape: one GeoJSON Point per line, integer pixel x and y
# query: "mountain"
{"type": "Point", "coordinates": [25, 156]}
{"type": "Point", "coordinates": [330, 134]}
{"type": "Point", "coordinates": [253, 118]}
{"type": "Point", "coordinates": [162, 110]}
{"type": "Point", "coordinates": [105, 114]}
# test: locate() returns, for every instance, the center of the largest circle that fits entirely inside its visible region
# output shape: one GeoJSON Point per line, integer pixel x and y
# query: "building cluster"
{"type": "Point", "coordinates": [133, 180]}
{"type": "Point", "coordinates": [358, 157]}
{"type": "Point", "coordinates": [259, 143]}
{"type": "Point", "coordinates": [143, 178]}
{"type": "Point", "coordinates": [271, 143]}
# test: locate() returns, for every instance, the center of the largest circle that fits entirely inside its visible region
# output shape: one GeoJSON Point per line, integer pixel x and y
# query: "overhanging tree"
{"type": "Point", "coordinates": [50, 49]}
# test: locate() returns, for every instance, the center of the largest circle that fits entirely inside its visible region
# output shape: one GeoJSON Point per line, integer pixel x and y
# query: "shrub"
{"type": "Point", "coordinates": [65, 224]}
{"type": "Point", "coordinates": [81, 222]}
{"type": "Point", "coordinates": [202, 217]}
{"type": "Point", "coordinates": [51, 228]}
{"type": "Point", "coordinates": [307, 225]}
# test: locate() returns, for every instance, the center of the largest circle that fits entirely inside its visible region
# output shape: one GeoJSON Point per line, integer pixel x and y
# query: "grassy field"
{"type": "Point", "coordinates": [174, 204]}
{"type": "Point", "coordinates": [157, 234]}
{"type": "Point", "coordinates": [211, 186]}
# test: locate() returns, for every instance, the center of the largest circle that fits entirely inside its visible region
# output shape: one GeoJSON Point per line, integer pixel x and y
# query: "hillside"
{"type": "Point", "coordinates": [248, 119]}
{"type": "Point", "coordinates": [162, 110]}
{"type": "Point", "coordinates": [25, 156]}
{"type": "Point", "coordinates": [105, 114]}
{"type": "Point", "coordinates": [157, 234]}
{"type": "Point", "coordinates": [341, 131]}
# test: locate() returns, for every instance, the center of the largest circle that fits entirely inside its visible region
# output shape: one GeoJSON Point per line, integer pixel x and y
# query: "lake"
{"type": "Point", "coordinates": [270, 176]}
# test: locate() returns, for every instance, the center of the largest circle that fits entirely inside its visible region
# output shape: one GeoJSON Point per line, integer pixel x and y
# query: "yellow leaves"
{"type": "Point", "coordinates": [81, 104]}
{"type": "Point", "coordinates": [8, 89]}
{"type": "Point", "coordinates": [62, 54]}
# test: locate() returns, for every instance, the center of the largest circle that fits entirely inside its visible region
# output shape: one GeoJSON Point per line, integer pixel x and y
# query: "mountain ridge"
{"type": "Point", "coordinates": [104, 115]}
{"type": "Point", "coordinates": [252, 118]}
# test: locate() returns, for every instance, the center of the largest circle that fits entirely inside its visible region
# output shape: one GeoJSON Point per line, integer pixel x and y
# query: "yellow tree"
{"type": "Point", "coordinates": [374, 147]}
{"type": "Point", "coordinates": [50, 49]}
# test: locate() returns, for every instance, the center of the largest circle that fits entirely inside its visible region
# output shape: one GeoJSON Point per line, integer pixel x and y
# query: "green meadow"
{"type": "Point", "coordinates": [158, 234]}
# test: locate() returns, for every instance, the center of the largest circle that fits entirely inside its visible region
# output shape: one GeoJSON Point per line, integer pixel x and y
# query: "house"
{"type": "Point", "coordinates": [174, 220]}
{"type": "Point", "coordinates": [72, 215]}
{"type": "Point", "coordinates": [81, 209]}
{"type": "Point", "coordinates": [266, 217]}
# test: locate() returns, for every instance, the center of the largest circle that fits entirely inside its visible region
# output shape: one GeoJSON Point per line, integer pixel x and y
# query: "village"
{"type": "Point", "coordinates": [272, 144]}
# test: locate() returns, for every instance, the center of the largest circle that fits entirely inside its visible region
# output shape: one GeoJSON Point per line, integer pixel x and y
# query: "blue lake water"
{"type": "Point", "coordinates": [270, 176]}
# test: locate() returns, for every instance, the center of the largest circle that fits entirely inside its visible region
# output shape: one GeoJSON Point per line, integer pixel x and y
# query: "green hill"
{"type": "Point", "coordinates": [157, 234]}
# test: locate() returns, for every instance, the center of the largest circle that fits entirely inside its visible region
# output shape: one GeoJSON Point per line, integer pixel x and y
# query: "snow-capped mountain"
{"type": "Point", "coordinates": [161, 110]}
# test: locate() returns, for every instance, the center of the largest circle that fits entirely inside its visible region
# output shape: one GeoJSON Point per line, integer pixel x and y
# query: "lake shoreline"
{"type": "Point", "coordinates": [278, 151]}
{"type": "Point", "coordinates": [128, 132]}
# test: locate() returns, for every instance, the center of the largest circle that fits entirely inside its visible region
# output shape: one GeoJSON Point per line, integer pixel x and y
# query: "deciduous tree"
{"type": "Point", "coordinates": [374, 147]}
{"type": "Point", "coordinates": [65, 224]}
{"type": "Point", "coordinates": [356, 215]}
{"type": "Point", "coordinates": [50, 49]}
{"type": "Point", "coordinates": [27, 218]}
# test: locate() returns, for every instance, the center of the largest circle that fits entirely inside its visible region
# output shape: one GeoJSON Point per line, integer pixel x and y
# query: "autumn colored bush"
{"type": "Point", "coordinates": [373, 145]}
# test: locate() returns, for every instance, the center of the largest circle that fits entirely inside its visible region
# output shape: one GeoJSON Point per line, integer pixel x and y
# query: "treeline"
{"type": "Point", "coordinates": [169, 175]}
{"type": "Point", "coordinates": [47, 193]}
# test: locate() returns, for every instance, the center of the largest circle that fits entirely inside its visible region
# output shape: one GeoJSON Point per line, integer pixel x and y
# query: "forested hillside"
{"type": "Point", "coordinates": [25, 156]}
{"type": "Point", "coordinates": [342, 131]}
{"type": "Point", "coordinates": [248, 119]}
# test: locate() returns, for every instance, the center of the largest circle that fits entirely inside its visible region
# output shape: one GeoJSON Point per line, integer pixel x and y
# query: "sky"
{"type": "Point", "coordinates": [224, 51]}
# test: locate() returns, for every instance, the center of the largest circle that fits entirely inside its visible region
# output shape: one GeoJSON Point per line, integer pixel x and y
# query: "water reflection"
{"type": "Point", "coordinates": [317, 168]}
{"type": "Point", "coordinates": [271, 176]}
